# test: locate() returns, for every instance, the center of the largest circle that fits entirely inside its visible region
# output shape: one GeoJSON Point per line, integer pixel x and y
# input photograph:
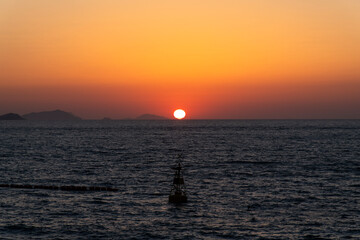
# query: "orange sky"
{"type": "Point", "coordinates": [216, 59]}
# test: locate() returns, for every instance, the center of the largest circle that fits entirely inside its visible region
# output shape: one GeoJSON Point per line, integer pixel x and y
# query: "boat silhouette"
{"type": "Point", "coordinates": [178, 190]}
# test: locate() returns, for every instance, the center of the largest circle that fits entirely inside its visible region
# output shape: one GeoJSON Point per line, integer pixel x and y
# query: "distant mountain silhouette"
{"type": "Point", "coordinates": [51, 115]}
{"type": "Point", "coordinates": [106, 119]}
{"type": "Point", "coordinates": [11, 116]}
{"type": "Point", "coordinates": [150, 117]}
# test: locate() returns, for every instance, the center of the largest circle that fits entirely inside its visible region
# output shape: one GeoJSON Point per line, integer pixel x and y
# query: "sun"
{"type": "Point", "coordinates": [179, 114]}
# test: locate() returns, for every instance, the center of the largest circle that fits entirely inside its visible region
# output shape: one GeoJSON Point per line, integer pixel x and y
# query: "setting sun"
{"type": "Point", "coordinates": [179, 114]}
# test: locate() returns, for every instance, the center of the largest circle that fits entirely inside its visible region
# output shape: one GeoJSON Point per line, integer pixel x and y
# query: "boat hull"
{"type": "Point", "coordinates": [177, 198]}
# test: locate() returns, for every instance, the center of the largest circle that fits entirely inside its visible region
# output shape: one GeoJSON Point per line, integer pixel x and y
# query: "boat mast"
{"type": "Point", "coordinates": [178, 183]}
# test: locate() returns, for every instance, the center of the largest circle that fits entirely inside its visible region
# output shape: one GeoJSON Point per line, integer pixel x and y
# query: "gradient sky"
{"type": "Point", "coordinates": [216, 59]}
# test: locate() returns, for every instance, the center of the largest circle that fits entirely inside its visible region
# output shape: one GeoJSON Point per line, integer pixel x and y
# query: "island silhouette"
{"type": "Point", "coordinates": [150, 117]}
{"type": "Point", "coordinates": [11, 116]}
{"type": "Point", "coordinates": [59, 115]}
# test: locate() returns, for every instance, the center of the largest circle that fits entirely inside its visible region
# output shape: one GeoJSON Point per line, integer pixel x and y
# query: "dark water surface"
{"type": "Point", "coordinates": [245, 179]}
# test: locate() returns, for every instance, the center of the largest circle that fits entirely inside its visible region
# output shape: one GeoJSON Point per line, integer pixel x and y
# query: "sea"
{"type": "Point", "coordinates": [245, 179]}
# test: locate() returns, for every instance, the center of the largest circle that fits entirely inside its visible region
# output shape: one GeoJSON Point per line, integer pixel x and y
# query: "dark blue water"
{"type": "Point", "coordinates": [245, 179]}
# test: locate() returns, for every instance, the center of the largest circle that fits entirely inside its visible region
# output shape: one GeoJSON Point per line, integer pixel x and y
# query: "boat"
{"type": "Point", "coordinates": [178, 190]}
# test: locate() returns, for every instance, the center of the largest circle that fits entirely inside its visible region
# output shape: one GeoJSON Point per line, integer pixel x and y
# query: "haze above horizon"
{"type": "Point", "coordinates": [250, 59]}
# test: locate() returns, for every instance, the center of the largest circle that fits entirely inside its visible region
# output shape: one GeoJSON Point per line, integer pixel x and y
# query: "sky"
{"type": "Point", "coordinates": [229, 59]}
